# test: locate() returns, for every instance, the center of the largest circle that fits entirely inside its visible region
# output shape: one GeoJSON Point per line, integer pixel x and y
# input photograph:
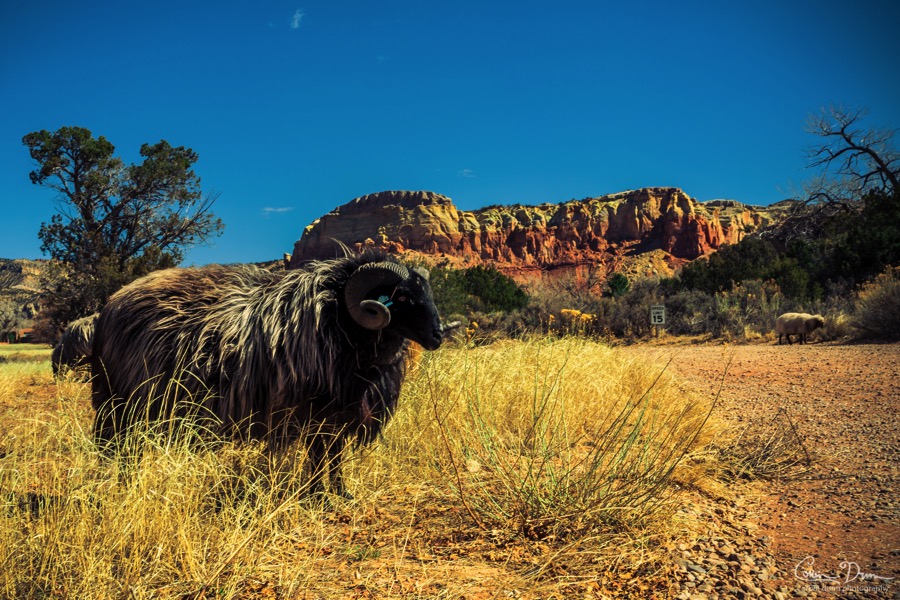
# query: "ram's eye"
{"type": "Point", "coordinates": [401, 298]}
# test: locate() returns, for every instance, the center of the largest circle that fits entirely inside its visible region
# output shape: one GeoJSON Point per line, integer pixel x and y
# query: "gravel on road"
{"type": "Point", "coordinates": [832, 531]}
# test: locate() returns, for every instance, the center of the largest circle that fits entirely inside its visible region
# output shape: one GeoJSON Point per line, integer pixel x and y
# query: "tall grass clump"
{"type": "Point", "coordinates": [179, 519]}
{"type": "Point", "coordinates": [170, 517]}
{"type": "Point", "coordinates": [766, 450]}
{"type": "Point", "coordinates": [551, 438]}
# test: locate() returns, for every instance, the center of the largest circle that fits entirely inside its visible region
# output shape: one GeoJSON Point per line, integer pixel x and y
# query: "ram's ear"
{"type": "Point", "coordinates": [422, 273]}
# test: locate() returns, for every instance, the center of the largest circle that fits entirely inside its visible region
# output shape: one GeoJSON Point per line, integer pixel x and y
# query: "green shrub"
{"type": "Point", "coordinates": [850, 245]}
{"type": "Point", "coordinates": [449, 290]}
{"type": "Point", "coordinates": [495, 290]}
{"type": "Point", "coordinates": [751, 258]}
{"type": "Point", "coordinates": [476, 289]}
{"type": "Point", "coordinates": [618, 285]}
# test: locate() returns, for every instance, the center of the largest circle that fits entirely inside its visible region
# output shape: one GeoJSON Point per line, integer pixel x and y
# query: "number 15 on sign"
{"type": "Point", "coordinates": [657, 314]}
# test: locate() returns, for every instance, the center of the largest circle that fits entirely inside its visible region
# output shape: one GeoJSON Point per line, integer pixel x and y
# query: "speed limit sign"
{"type": "Point", "coordinates": [658, 314]}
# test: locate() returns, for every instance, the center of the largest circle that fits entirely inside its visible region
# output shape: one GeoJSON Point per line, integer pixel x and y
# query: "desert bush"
{"type": "Point", "coordinates": [766, 449]}
{"type": "Point", "coordinates": [837, 308]}
{"type": "Point", "coordinates": [728, 318]}
{"type": "Point", "coordinates": [689, 312]}
{"type": "Point", "coordinates": [761, 302]}
{"type": "Point", "coordinates": [878, 307]}
{"type": "Point", "coordinates": [550, 298]}
{"type": "Point", "coordinates": [486, 328]}
{"type": "Point", "coordinates": [838, 325]}
{"type": "Point", "coordinates": [748, 309]}
{"type": "Point", "coordinates": [628, 316]}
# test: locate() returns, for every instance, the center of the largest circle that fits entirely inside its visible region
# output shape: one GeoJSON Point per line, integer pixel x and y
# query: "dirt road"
{"type": "Point", "coordinates": [845, 403]}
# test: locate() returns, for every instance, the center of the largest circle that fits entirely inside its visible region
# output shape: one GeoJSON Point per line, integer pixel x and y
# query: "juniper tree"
{"type": "Point", "coordinates": [115, 222]}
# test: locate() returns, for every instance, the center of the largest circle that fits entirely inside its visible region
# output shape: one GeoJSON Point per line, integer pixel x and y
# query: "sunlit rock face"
{"type": "Point", "coordinates": [663, 224]}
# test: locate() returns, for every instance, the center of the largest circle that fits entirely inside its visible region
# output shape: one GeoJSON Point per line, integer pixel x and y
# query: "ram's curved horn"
{"type": "Point", "coordinates": [368, 313]}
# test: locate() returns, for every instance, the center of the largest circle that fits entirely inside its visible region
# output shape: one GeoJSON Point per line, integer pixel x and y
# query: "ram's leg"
{"type": "Point", "coordinates": [318, 461]}
{"type": "Point", "coordinates": [325, 460]}
{"type": "Point", "coordinates": [335, 471]}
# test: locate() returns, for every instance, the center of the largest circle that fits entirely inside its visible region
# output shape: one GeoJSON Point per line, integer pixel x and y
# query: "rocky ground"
{"type": "Point", "coordinates": [829, 530]}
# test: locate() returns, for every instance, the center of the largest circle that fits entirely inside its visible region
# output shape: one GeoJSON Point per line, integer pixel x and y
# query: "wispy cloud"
{"type": "Point", "coordinates": [269, 210]}
{"type": "Point", "coordinates": [467, 174]}
{"type": "Point", "coordinates": [297, 18]}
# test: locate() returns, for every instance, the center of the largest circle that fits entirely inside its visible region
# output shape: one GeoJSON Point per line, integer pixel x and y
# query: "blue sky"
{"type": "Point", "coordinates": [297, 107]}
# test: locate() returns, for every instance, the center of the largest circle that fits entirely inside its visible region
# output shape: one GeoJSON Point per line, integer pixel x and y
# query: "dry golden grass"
{"type": "Point", "coordinates": [553, 466]}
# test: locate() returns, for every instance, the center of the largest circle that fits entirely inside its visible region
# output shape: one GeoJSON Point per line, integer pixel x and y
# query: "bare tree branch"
{"type": "Point", "coordinates": [852, 161]}
{"type": "Point", "coordinates": [865, 158]}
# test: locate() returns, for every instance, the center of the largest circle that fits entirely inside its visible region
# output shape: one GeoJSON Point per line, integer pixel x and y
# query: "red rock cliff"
{"type": "Point", "coordinates": [521, 238]}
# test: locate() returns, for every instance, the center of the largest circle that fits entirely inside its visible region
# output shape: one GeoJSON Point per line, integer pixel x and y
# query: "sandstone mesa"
{"type": "Point", "coordinates": [644, 232]}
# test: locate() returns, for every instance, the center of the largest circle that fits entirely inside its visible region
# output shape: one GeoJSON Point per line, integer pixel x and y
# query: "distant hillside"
{"type": "Point", "coordinates": [19, 284]}
{"type": "Point", "coordinates": [650, 231]}
{"type": "Point", "coordinates": [20, 274]}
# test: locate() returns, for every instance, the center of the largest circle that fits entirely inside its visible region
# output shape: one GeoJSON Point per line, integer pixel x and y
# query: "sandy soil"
{"type": "Point", "coordinates": [844, 401]}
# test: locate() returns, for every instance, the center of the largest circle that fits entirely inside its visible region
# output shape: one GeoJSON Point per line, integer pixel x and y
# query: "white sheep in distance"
{"type": "Point", "coordinates": [799, 324]}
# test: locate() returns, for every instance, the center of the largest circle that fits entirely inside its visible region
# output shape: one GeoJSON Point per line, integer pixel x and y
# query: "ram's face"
{"type": "Point", "coordinates": [413, 313]}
